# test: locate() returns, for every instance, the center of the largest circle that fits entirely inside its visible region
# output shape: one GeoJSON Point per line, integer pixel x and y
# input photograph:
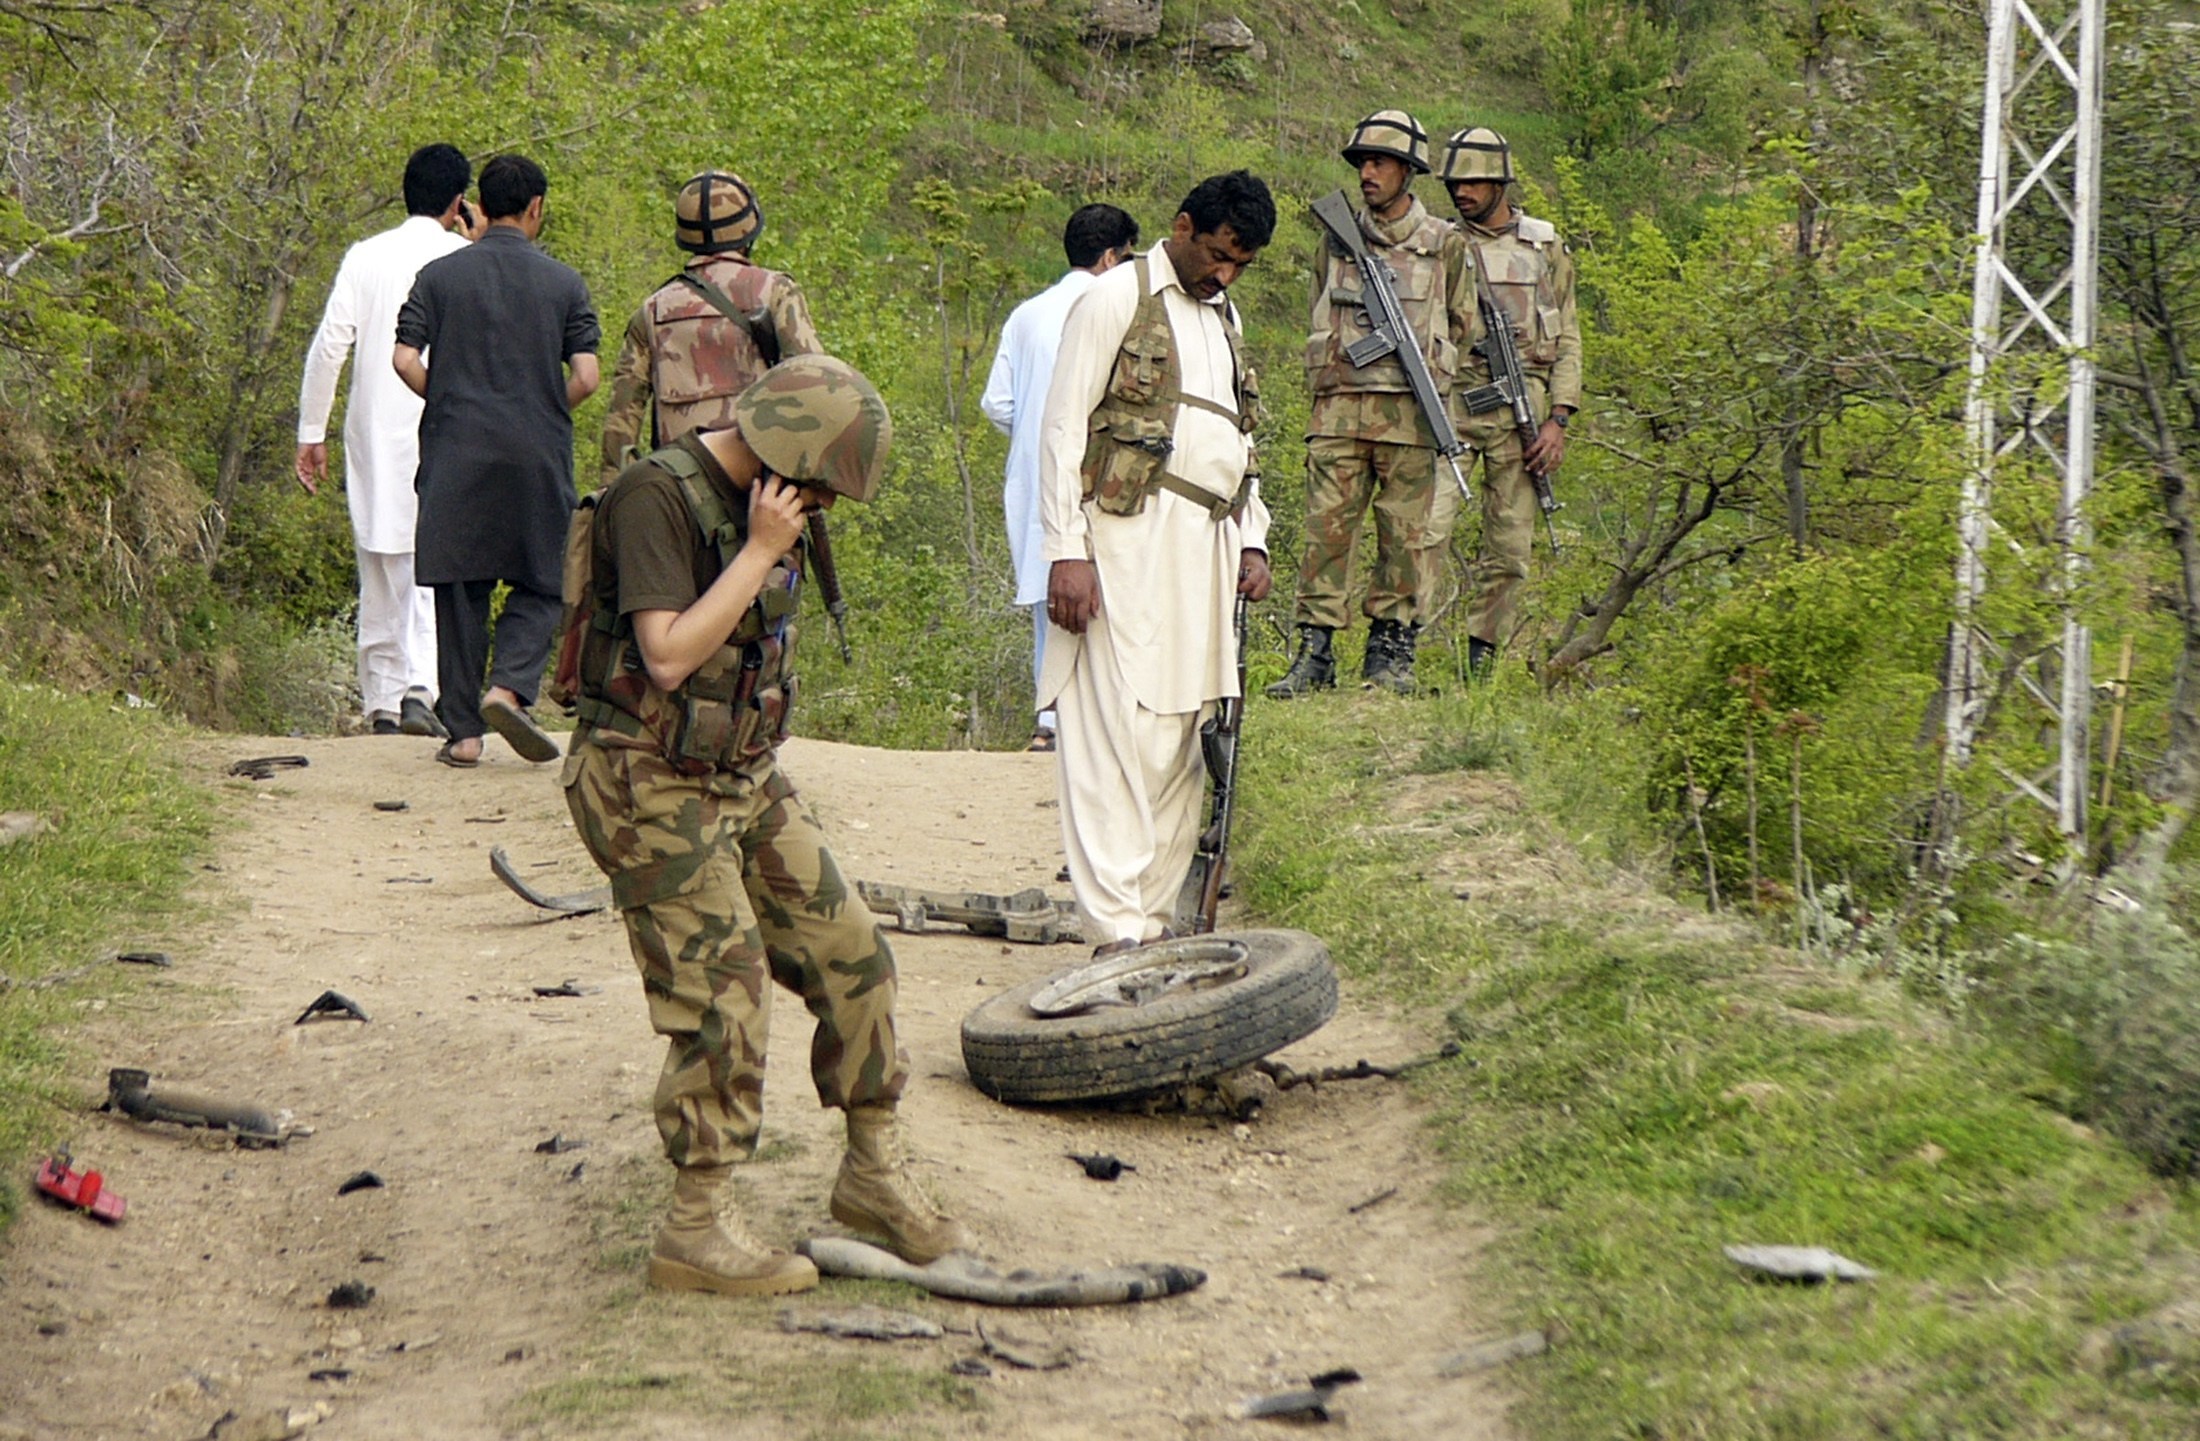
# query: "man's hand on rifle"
{"type": "Point", "coordinates": [1549, 451]}
{"type": "Point", "coordinates": [1073, 594]}
{"type": "Point", "coordinates": [1254, 578]}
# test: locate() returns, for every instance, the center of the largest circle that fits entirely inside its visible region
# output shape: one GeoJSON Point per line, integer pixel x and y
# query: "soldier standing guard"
{"type": "Point", "coordinates": [1366, 439]}
{"type": "Point", "coordinates": [702, 336]}
{"type": "Point", "coordinates": [719, 870]}
{"type": "Point", "coordinates": [1531, 278]}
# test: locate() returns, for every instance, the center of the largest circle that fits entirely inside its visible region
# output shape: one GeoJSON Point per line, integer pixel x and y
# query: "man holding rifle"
{"type": "Point", "coordinates": [1367, 437]}
{"type": "Point", "coordinates": [1516, 424]}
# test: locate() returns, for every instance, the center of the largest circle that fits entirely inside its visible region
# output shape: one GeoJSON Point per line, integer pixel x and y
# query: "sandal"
{"type": "Point", "coordinates": [459, 762]}
{"type": "Point", "coordinates": [1042, 742]}
{"type": "Point", "coordinates": [516, 726]}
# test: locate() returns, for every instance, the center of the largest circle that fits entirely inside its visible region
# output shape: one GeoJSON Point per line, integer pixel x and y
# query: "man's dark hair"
{"type": "Point", "coordinates": [435, 176]}
{"type": "Point", "coordinates": [508, 183]}
{"type": "Point", "coordinates": [1239, 200]}
{"type": "Point", "coordinates": [1093, 231]}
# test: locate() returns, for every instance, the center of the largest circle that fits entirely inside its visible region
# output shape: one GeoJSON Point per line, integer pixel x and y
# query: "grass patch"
{"type": "Point", "coordinates": [1641, 1085]}
{"type": "Point", "coordinates": [125, 822]}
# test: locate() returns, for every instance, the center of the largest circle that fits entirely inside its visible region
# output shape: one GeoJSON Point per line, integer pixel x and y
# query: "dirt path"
{"type": "Point", "coordinates": [501, 1274]}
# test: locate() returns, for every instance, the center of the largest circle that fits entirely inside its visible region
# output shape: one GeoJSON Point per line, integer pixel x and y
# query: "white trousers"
{"type": "Point", "coordinates": [1039, 656]}
{"type": "Point", "coordinates": [1131, 788]}
{"type": "Point", "coordinates": [396, 631]}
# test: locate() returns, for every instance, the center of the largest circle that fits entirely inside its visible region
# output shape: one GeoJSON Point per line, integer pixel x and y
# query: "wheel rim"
{"type": "Point", "coordinates": [1143, 977]}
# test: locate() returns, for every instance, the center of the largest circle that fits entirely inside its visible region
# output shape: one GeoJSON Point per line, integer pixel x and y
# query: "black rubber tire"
{"type": "Point", "coordinates": [1287, 992]}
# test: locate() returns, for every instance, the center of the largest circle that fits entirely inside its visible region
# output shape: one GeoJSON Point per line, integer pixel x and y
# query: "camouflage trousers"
{"type": "Point", "coordinates": [1342, 476]}
{"type": "Point", "coordinates": [1508, 521]}
{"type": "Point", "coordinates": [726, 885]}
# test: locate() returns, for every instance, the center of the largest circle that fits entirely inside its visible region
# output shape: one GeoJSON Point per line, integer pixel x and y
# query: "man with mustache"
{"type": "Point", "coordinates": [1367, 440]}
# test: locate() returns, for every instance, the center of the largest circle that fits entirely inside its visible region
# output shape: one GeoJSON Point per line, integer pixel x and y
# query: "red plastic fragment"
{"type": "Point", "coordinates": [85, 1190]}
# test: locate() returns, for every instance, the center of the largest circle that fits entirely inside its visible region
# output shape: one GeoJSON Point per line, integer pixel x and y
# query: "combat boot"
{"type": "Point", "coordinates": [876, 1194]}
{"type": "Point", "coordinates": [698, 1250]}
{"type": "Point", "coordinates": [1389, 663]}
{"type": "Point", "coordinates": [1312, 669]}
{"type": "Point", "coordinates": [1481, 657]}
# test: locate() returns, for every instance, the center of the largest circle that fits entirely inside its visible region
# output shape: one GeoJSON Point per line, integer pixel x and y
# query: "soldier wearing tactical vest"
{"type": "Point", "coordinates": [1366, 438]}
{"type": "Point", "coordinates": [702, 336]}
{"type": "Point", "coordinates": [718, 868]}
{"type": "Point", "coordinates": [1153, 526]}
{"type": "Point", "coordinates": [1531, 278]}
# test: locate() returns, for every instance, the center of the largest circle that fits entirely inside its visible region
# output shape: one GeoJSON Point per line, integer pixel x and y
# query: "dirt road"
{"type": "Point", "coordinates": [507, 1296]}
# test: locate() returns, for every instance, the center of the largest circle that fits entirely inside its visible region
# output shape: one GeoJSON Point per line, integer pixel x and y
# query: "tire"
{"type": "Point", "coordinates": [1284, 989]}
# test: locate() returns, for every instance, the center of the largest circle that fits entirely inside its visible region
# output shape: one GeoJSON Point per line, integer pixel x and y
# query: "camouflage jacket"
{"type": "Point", "coordinates": [730, 715]}
{"type": "Point", "coordinates": [1435, 283]}
{"type": "Point", "coordinates": [683, 361]}
{"type": "Point", "coordinates": [1531, 276]}
{"type": "Point", "coordinates": [1132, 430]}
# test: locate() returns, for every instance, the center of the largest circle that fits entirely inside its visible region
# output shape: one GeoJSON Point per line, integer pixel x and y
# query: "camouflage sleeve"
{"type": "Point", "coordinates": [1317, 304]}
{"type": "Point", "coordinates": [791, 316]}
{"type": "Point", "coordinates": [627, 416]}
{"type": "Point", "coordinates": [1565, 382]}
{"type": "Point", "coordinates": [1460, 304]}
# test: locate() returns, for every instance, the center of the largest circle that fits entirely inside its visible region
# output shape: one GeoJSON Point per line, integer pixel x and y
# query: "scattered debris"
{"type": "Point", "coordinates": [1371, 1202]}
{"type": "Point", "coordinates": [331, 1003]}
{"type": "Point", "coordinates": [329, 1373]}
{"type": "Point", "coordinates": [22, 826]}
{"type": "Point", "coordinates": [130, 1091]}
{"type": "Point", "coordinates": [568, 988]}
{"type": "Point", "coordinates": [1101, 1168]}
{"type": "Point", "coordinates": [1798, 1263]}
{"type": "Point", "coordinates": [558, 1145]}
{"type": "Point", "coordinates": [85, 1190]}
{"type": "Point", "coordinates": [1029, 916]}
{"type": "Point", "coordinates": [144, 958]}
{"type": "Point", "coordinates": [969, 1366]}
{"type": "Point", "coordinates": [580, 903]}
{"type": "Point", "coordinates": [1497, 1353]}
{"type": "Point", "coordinates": [1286, 1078]}
{"type": "Point", "coordinates": [965, 1278]}
{"type": "Point", "coordinates": [410, 881]}
{"type": "Point", "coordinates": [360, 1181]}
{"type": "Point", "coordinates": [486, 820]}
{"type": "Point", "coordinates": [283, 1423]}
{"type": "Point", "coordinates": [1019, 1353]}
{"type": "Point", "coordinates": [575, 1173]}
{"type": "Point", "coordinates": [1311, 1404]}
{"type": "Point", "coordinates": [262, 768]}
{"type": "Point", "coordinates": [350, 1296]}
{"type": "Point", "coordinates": [418, 1344]}
{"type": "Point", "coordinates": [863, 1323]}
{"type": "Point", "coordinates": [1303, 1273]}
{"type": "Point", "coordinates": [393, 806]}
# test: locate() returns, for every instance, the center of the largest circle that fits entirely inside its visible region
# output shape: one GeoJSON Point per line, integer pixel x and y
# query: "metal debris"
{"type": "Point", "coordinates": [144, 958]}
{"type": "Point", "coordinates": [359, 1181]}
{"type": "Point", "coordinates": [331, 1003]}
{"type": "Point", "coordinates": [393, 807]}
{"type": "Point", "coordinates": [862, 1323]}
{"type": "Point", "coordinates": [1101, 1168]}
{"type": "Point", "coordinates": [558, 1145]}
{"type": "Point", "coordinates": [1025, 1355]}
{"type": "Point", "coordinates": [130, 1091]}
{"type": "Point", "coordinates": [1371, 1202]}
{"type": "Point", "coordinates": [1311, 1404]}
{"type": "Point", "coordinates": [1798, 1263]}
{"type": "Point", "coordinates": [966, 1278]}
{"type": "Point", "coordinates": [1497, 1353]}
{"type": "Point", "coordinates": [579, 903]}
{"type": "Point", "coordinates": [350, 1296]}
{"type": "Point", "coordinates": [567, 988]}
{"type": "Point", "coordinates": [1028, 917]}
{"type": "Point", "coordinates": [262, 768]}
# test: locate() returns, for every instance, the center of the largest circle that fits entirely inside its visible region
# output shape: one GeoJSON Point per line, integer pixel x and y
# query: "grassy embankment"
{"type": "Point", "coordinates": [1642, 1084]}
{"type": "Point", "coordinates": [125, 822]}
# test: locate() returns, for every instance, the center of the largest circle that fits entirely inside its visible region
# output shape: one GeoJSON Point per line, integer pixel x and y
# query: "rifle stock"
{"type": "Point", "coordinates": [1218, 744]}
{"type": "Point", "coordinates": [828, 581]}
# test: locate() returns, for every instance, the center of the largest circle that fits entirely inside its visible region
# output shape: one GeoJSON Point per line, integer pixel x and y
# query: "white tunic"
{"type": "Point", "coordinates": [1014, 400]}
{"type": "Point", "coordinates": [382, 420]}
{"type": "Point", "coordinates": [1168, 575]}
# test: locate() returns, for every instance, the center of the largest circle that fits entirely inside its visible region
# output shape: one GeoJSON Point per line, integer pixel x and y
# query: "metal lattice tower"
{"type": "Point", "coordinates": [2039, 178]}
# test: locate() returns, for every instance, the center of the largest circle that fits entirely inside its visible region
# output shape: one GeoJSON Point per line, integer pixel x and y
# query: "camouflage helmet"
{"type": "Point", "coordinates": [1477, 154]}
{"type": "Point", "coordinates": [1393, 133]}
{"type": "Point", "coordinates": [816, 419]}
{"type": "Point", "coordinates": [716, 212]}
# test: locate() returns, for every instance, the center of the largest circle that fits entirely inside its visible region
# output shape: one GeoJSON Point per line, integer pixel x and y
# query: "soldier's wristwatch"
{"type": "Point", "coordinates": [1561, 418]}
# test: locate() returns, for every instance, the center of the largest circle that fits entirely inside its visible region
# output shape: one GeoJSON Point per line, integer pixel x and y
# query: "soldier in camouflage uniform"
{"type": "Point", "coordinates": [703, 335]}
{"type": "Point", "coordinates": [1366, 439]}
{"type": "Point", "coordinates": [1531, 277]}
{"type": "Point", "coordinates": [720, 871]}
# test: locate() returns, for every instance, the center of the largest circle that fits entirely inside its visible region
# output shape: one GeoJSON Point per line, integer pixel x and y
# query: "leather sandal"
{"type": "Point", "coordinates": [445, 756]}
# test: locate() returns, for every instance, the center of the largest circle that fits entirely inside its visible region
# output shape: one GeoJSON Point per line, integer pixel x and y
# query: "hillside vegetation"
{"type": "Point", "coordinates": [1726, 688]}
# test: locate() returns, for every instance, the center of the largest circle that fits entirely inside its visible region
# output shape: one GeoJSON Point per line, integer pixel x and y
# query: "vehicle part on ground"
{"type": "Point", "coordinates": [579, 903]}
{"type": "Point", "coordinates": [131, 1092]}
{"type": "Point", "coordinates": [260, 768]}
{"type": "Point", "coordinates": [331, 1003]}
{"type": "Point", "coordinates": [965, 1278]}
{"type": "Point", "coordinates": [1173, 1013]}
{"type": "Point", "coordinates": [85, 1190]}
{"type": "Point", "coordinates": [1028, 917]}
{"type": "Point", "coordinates": [1311, 1404]}
{"type": "Point", "coordinates": [1101, 1168]}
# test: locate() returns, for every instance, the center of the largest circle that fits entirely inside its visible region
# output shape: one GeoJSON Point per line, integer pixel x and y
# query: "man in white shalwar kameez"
{"type": "Point", "coordinates": [397, 655]}
{"type": "Point", "coordinates": [1140, 604]}
{"type": "Point", "coordinates": [1095, 240]}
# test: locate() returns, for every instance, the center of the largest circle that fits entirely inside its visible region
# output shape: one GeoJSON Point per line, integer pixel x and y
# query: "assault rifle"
{"type": "Point", "coordinates": [1389, 332]}
{"type": "Point", "coordinates": [828, 582]}
{"type": "Point", "coordinates": [1218, 745]}
{"type": "Point", "coordinates": [1508, 388]}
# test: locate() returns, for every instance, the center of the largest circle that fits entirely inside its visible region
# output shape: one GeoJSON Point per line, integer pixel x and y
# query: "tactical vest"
{"type": "Point", "coordinates": [700, 358]}
{"type": "Point", "coordinates": [734, 708]}
{"type": "Point", "coordinates": [1133, 429]}
{"type": "Point", "coordinates": [1340, 319]}
{"type": "Point", "coordinates": [1521, 261]}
